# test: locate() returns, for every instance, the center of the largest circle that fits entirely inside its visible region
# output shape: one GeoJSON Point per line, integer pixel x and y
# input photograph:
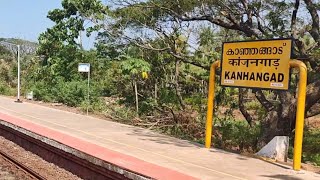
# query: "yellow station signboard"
{"type": "Point", "coordinates": [256, 64]}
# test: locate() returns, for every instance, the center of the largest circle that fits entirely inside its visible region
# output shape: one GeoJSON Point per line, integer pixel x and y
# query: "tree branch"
{"type": "Point", "coordinates": [185, 60]}
{"type": "Point", "coordinates": [242, 107]}
{"type": "Point", "coordinates": [314, 110]}
{"type": "Point", "coordinates": [263, 100]}
{"type": "Point", "coordinates": [313, 94]}
{"type": "Point", "coordinates": [213, 19]}
{"type": "Point", "coordinates": [182, 58]}
{"type": "Point", "coordinates": [315, 20]}
{"type": "Point", "coordinates": [294, 19]}
{"type": "Point", "coordinates": [286, 100]}
{"type": "Point", "coordinates": [248, 12]}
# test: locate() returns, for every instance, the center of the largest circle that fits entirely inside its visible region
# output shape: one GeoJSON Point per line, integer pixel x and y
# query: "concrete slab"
{"type": "Point", "coordinates": [276, 149]}
{"type": "Point", "coordinates": [179, 155]}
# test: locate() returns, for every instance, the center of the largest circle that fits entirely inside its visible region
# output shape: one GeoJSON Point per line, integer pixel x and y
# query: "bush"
{"type": "Point", "coordinates": [71, 93]}
{"type": "Point", "coordinates": [147, 106]}
{"type": "Point", "coordinates": [6, 89]}
{"type": "Point", "coordinates": [235, 135]}
{"type": "Point", "coordinates": [96, 105]}
{"type": "Point", "coordinates": [310, 147]}
{"type": "Point", "coordinates": [257, 108]}
{"type": "Point", "coordinates": [41, 91]}
{"type": "Point", "coordinates": [167, 96]}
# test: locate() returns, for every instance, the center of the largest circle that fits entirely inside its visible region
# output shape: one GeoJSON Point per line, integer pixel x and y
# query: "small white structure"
{"type": "Point", "coordinates": [29, 95]}
{"type": "Point", "coordinates": [276, 149]}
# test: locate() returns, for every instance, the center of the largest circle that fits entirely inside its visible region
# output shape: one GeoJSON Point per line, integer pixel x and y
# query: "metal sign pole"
{"type": "Point", "coordinates": [18, 95]}
{"type": "Point", "coordinates": [85, 67]}
{"type": "Point", "coordinates": [88, 98]}
{"type": "Point", "coordinates": [210, 104]}
{"type": "Point", "coordinates": [301, 101]}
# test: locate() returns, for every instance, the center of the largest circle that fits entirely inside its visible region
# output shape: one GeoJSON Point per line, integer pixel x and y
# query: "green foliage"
{"type": "Point", "coordinates": [279, 11]}
{"type": "Point", "coordinates": [70, 21]}
{"type": "Point", "coordinates": [310, 146]}
{"type": "Point", "coordinates": [134, 66]}
{"type": "Point", "coordinates": [97, 105]}
{"type": "Point", "coordinates": [226, 96]}
{"type": "Point", "coordinates": [42, 91]}
{"type": "Point", "coordinates": [120, 113]}
{"type": "Point", "coordinates": [197, 101]}
{"type": "Point", "coordinates": [72, 93]}
{"type": "Point", "coordinates": [254, 105]}
{"type": "Point", "coordinates": [6, 90]}
{"type": "Point", "coordinates": [8, 64]}
{"type": "Point", "coordinates": [175, 42]}
{"type": "Point", "coordinates": [147, 106]}
{"type": "Point", "coordinates": [167, 96]}
{"type": "Point", "coordinates": [236, 135]}
{"type": "Point", "coordinates": [4, 51]}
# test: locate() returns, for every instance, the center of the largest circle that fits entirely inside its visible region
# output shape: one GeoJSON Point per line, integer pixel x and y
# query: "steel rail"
{"type": "Point", "coordinates": [21, 166]}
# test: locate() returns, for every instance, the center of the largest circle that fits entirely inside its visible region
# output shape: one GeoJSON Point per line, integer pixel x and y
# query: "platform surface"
{"type": "Point", "coordinates": [178, 155]}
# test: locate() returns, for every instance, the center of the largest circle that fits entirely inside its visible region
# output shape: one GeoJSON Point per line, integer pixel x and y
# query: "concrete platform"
{"type": "Point", "coordinates": [164, 154]}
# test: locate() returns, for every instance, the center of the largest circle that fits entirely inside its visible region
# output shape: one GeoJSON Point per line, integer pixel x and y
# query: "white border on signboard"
{"type": "Point", "coordinates": [84, 67]}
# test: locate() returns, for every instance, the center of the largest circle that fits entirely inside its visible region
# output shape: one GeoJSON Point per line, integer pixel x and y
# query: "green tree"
{"type": "Point", "coordinates": [135, 68]}
{"type": "Point", "coordinates": [251, 20]}
{"type": "Point", "coordinates": [169, 27]}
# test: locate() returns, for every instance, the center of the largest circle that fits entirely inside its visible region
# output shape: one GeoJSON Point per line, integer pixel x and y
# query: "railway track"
{"type": "Point", "coordinates": [81, 168]}
{"type": "Point", "coordinates": [20, 166]}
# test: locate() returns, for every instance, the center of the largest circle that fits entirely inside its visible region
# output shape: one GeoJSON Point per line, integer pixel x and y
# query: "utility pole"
{"type": "Point", "coordinates": [18, 95]}
{"type": "Point", "coordinates": [88, 93]}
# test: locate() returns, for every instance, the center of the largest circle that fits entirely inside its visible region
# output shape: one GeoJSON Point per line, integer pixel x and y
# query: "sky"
{"type": "Point", "coordinates": [26, 19]}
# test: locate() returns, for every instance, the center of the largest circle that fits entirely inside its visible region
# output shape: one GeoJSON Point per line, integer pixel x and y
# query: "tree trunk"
{"type": "Point", "coordinates": [242, 107]}
{"type": "Point", "coordinates": [280, 122]}
{"type": "Point", "coordinates": [177, 87]}
{"type": "Point", "coordinates": [156, 91]}
{"type": "Point", "coordinates": [136, 94]}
